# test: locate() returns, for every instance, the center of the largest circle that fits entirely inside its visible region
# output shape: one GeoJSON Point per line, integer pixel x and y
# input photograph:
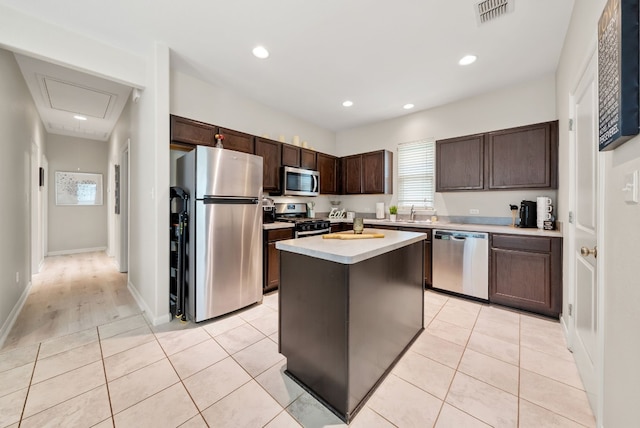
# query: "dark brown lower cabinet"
{"type": "Point", "coordinates": [526, 273]}
{"type": "Point", "coordinates": [271, 257]}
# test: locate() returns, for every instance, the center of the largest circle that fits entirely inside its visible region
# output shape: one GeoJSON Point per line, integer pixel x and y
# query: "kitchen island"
{"type": "Point", "coordinates": [348, 311]}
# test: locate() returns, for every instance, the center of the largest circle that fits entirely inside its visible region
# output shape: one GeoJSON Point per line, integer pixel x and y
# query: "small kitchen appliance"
{"type": "Point", "coordinates": [528, 216]}
{"type": "Point", "coordinates": [300, 182]}
{"type": "Point", "coordinates": [268, 210]}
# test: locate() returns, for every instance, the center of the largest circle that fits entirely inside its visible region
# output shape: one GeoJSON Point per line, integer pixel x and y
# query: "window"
{"type": "Point", "coordinates": [416, 174]}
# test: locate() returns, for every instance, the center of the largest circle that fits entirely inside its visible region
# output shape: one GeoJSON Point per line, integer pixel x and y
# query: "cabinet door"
{"type": "Point", "coordinates": [238, 141]}
{"type": "Point", "coordinates": [328, 169]}
{"type": "Point", "coordinates": [272, 280]}
{"type": "Point", "coordinates": [352, 174]}
{"type": "Point", "coordinates": [377, 172]}
{"type": "Point", "coordinates": [523, 157]}
{"type": "Point", "coordinates": [308, 159]}
{"type": "Point", "coordinates": [526, 273]}
{"type": "Point", "coordinates": [460, 164]}
{"type": "Point", "coordinates": [270, 152]}
{"type": "Point", "coordinates": [191, 132]}
{"type": "Point", "coordinates": [271, 257]}
{"type": "Point", "coordinates": [521, 279]}
{"type": "Point", "coordinates": [290, 156]}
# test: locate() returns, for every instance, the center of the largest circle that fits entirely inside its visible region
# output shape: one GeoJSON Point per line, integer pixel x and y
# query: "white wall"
{"type": "Point", "coordinates": [621, 245]}
{"type": "Point", "coordinates": [20, 126]}
{"type": "Point", "coordinates": [523, 104]}
{"type": "Point", "coordinates": [76, 228]}
{"type": "Point", "coordinates": [198, 100]}
{"type": "Point", "coordinates": [27, 35]}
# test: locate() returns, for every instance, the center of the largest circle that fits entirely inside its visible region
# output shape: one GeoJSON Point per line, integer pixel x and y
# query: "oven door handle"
{"type": "Point", "coordinates": [313, 232]}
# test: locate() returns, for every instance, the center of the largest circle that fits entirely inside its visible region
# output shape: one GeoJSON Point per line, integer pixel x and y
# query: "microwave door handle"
{"type": "Point", "coordinates": [315, 183]}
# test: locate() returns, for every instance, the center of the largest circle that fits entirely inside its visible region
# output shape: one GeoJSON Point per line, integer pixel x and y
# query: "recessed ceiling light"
{"type": "Point", "coordinates": [347, 103]}
{"type": "Point", "coordinates": [467, 59]}
{"type": "Point", "coordinates": [77, 116]}
{"type": "Point", "coordinates": [260, 52]}
{"type": "Point", "coordinates": [408, 106]}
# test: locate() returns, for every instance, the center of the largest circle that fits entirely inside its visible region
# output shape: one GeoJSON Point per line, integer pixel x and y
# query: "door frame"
{"type": "Point", "coordinates": [123, 254]}
{"type": "Point", "coordinates": [569, 320]}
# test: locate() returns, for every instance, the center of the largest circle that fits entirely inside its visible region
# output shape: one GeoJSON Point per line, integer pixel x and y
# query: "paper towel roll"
{"type": "Point", "coordinates": [380, 210]}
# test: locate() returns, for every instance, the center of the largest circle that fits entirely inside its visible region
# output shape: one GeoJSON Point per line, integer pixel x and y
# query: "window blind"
{"type": "Point", "coordinates": [416, 174]}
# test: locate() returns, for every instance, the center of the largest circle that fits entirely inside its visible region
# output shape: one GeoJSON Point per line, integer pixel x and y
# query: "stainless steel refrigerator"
{"type": "Point", "coordinates": [225, 232]}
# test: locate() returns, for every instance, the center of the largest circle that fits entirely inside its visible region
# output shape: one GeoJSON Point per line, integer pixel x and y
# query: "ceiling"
{"type": "Point", "coordinates": [61, 95]}
{"type": "Point", "coordinates": [380, 55]}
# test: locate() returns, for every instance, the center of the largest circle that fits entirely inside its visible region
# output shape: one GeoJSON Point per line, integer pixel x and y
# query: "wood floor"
{"type": "Point", "coordinates": [72, 293]}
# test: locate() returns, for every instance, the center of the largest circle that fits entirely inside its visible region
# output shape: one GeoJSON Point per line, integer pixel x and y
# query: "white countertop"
{"type": "Point", "coordinates": [278, 225]}
{"type": "Point", "coordinates": [352, 251]}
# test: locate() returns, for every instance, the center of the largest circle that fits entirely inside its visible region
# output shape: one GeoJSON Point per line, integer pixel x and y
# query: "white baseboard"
{"type": "Point", "coordinates": [76, 251]}
{"type": "Point", "coordinates": [13, 315]}
{"type": "Point", "coordinates": [148, 314]}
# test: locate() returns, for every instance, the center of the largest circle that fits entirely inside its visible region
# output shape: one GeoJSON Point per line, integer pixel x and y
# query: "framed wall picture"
{"type": "Point", "coordinates": [618, 73]}
{"type": "Point", "coordinates": [78, 188]}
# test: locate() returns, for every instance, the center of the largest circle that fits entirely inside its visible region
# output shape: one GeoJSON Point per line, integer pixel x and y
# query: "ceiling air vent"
{"type": "Point", "coordinates": [491, 9]}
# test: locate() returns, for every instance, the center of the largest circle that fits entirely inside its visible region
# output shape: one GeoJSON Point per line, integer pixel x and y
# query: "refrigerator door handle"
{"type": "Point", "coordinates": [230, 200]}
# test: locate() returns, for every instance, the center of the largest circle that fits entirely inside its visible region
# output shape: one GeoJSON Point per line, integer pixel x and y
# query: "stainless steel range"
{"type": "Point", "coordinates": [304, 226]}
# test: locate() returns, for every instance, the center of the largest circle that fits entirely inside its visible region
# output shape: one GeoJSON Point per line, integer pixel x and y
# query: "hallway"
{"type": "Point", "coordinates": [72, 293]}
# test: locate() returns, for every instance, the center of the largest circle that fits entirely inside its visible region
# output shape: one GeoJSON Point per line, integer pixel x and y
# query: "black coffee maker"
{"type": "Point", "coordinates": [528, 214]}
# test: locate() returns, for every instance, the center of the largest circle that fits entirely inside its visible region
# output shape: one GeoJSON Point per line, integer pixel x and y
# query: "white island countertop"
{"type": "Point", "coordinates": [351, 251]}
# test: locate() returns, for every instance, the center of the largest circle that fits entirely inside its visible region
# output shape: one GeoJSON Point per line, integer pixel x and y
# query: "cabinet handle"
{"type": "Point", "coordinates": [586, 251]}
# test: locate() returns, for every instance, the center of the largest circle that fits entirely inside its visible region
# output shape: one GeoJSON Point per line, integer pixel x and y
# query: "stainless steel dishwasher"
{"type": "Point", "coordinates": [461, 262]}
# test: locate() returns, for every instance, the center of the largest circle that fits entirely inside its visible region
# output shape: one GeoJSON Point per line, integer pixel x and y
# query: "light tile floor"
{"type": "Point", "coordinates": [474, 365]}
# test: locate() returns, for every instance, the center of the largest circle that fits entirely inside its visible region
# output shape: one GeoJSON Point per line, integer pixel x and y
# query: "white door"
{"type": "Point", "coordinates": [584, 317]}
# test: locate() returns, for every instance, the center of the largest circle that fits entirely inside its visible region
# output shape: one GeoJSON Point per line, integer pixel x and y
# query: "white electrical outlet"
{"type": "Point", "coordinates": [474, 211]}
{"type": "Point", "coordinates": [17, 277]}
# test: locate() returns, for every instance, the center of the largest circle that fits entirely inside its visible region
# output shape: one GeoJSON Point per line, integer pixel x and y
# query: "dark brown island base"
{"type": "Point", "coordinates": [349, 309]}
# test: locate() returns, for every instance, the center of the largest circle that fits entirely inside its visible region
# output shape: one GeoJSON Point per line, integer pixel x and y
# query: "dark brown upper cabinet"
{"type": "Point", "coordinates": [460, 164]}
{"type": "Point", "coordinates": [377, 172]}
{"type": "Point", "coordinates": [328, 167]}
{"type": "Point", "coordinates": [191, 132]}
{"type": "Point", "coordinates": [290, 155]}
{"type": "Point", "coordinates": [308, 159]}
{"type": "Point", "coordinates": [370, 173]}
{"type": "Point", "coordinates": [271, 153]}
{"type": "Point", "coordinates": [352, 174]}
{"type": "Point", "coordinates": [525, 157]}
{"type": "Point", "coordinates": [239, 141]}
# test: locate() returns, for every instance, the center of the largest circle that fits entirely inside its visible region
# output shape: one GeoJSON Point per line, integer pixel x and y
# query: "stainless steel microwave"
{"type": "Point", "coordinates": [300, 182]}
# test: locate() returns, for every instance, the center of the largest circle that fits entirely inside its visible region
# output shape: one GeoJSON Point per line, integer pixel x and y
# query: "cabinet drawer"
{"type": "Point", "coordinates": [279, 234]}
{"type": "Point", "coordinates": [524, 243]}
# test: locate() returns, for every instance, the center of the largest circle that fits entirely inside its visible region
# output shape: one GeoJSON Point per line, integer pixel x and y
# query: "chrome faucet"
{"type": "Point", "coordinates": [413, 213]}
